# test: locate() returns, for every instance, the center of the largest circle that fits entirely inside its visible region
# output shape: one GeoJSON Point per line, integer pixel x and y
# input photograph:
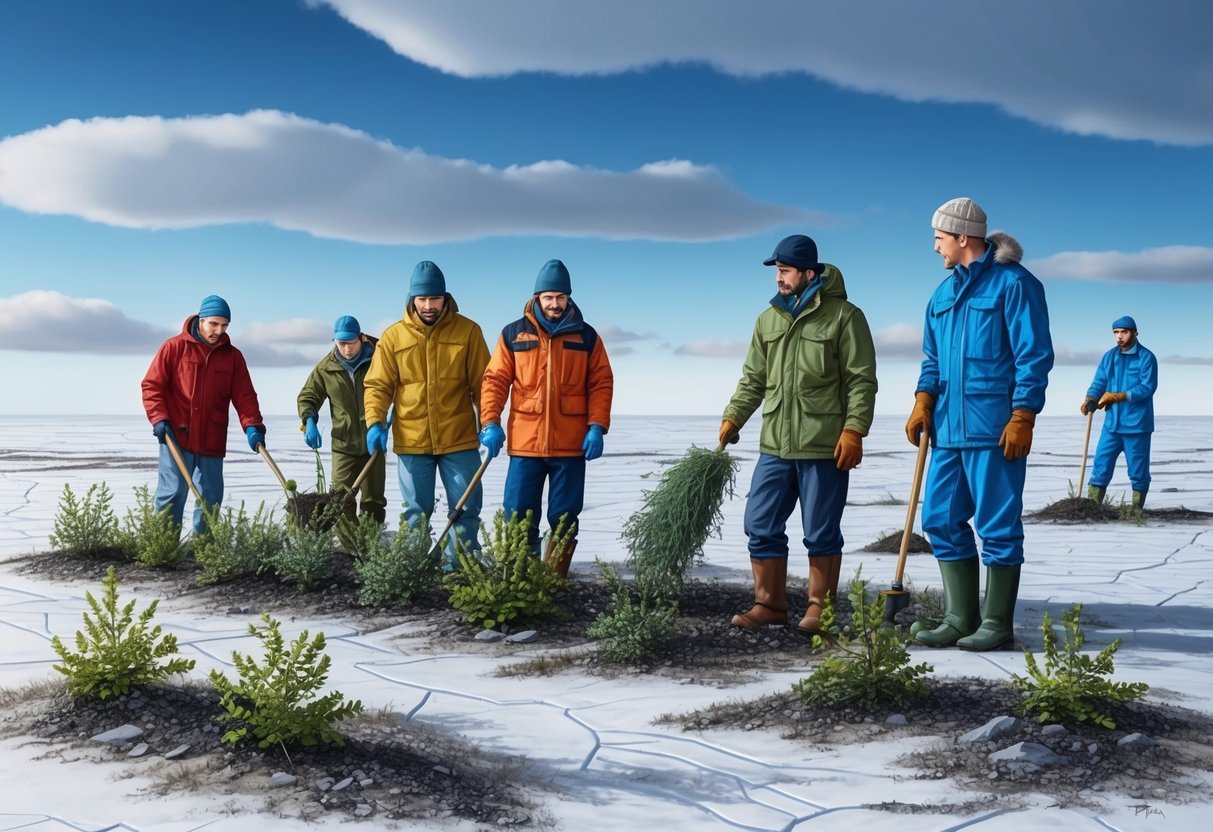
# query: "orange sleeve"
{"type": "Point", "coordinates": [600, 387]}
{"type": "Point", "coordinates": [495, 386]}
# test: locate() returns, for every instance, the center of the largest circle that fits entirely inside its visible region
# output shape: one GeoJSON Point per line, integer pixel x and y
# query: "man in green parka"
{"type": "Point", "coordinates": [339, 378]}
{"type": "Point", "coordinates": [812, 367]}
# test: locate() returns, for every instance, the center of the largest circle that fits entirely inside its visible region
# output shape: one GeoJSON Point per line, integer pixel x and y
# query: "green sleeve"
{"type": "Point", "coordinates": [753, 384]}
{"type": "Point", "coordinates": [312, 396]}
{"type": "Point", "coordinates": [857, 360]}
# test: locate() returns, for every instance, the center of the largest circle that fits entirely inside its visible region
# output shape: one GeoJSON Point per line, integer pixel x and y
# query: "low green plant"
{"type": "Point", "coordinates": [361, 535]}
{"type": "Point", "coordinates": [276, 700]}
{"type": "Point", "coordinates": [634, 626]}
{"type": "Point", "coordinates": [85, 526]}
{"type": "Point", "coordinates": [666, 535]}
{"type": "Point", "coordinates": [505, 582]}
{"type": "Point", "coordinates": [1130, 513]}
{"type": "Point", "coordinates": [871, 666]}
{"type": "Point", "coordinates": [398, 571]}
{"type": "Point", "coordinates": [306, 556]}
{"type": "Point", "coordinates": [236, 544]}
{"type": "Point", "coordinates": [1073, 686]}
{"type": "Point", "coordinates": [115, 652]}
{"type": "Point", "coordinates": [148, 536]}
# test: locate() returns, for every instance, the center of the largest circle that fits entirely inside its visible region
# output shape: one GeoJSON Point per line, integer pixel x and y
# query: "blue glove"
{"type": "Point", "coordinates": [492, 437]}
{"type": "Point", "coordinates": [255, 435]}
{"type": "Point", "coordinates": [376, 438]}
{"type": "Point", "coordinates": [310, 435]}
{"type": "Point", "coordinates": [162, 429]}
{"type": "Point", "coordinates": [592, 444]}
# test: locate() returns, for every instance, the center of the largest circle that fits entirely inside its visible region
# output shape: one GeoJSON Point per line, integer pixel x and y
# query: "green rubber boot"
{"type": "Point", "coordinates": [997, 621]}
{"type": "Point", "coordinates": [961, 614]}
{"type": "Point", "coordinates": [1139, 500]}
{"type": "Point", "coordinates": [1096, 492]}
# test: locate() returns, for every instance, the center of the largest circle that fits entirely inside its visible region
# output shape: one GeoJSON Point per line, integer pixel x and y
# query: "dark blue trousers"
{"type": "Point", "coordinates": [565, 476]}
{"type": "Point", "coordinates": [777, 484]}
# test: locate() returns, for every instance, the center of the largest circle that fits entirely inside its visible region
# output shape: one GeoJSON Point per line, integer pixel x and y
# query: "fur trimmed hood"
{"type": "Point", "coordinates": [1006, 248]}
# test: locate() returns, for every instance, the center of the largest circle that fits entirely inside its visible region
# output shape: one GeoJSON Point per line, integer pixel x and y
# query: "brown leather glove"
{"type": "Point", "coordinates": [849, 451]}
{"type": "Point", "coordinates": [920, 416]}
{"type": "Point", "coordinates": [729, 432]}
{"type": "Point", "coordinates": [1089, 406]}
{"type": "Point", "coordinates": [1109, 399]}
{"type": "Point", "coordinates": [1016, 439]}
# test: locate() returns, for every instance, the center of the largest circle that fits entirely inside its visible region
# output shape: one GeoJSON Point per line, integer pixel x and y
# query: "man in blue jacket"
{"type": "Point", "coordinates": [988, 356]}
{"type": "Point", "coordinates": [1124, 383]}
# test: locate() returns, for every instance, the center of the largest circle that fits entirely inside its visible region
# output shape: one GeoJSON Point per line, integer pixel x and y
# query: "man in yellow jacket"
{"type": "Point", "coordinates": [430, 365]}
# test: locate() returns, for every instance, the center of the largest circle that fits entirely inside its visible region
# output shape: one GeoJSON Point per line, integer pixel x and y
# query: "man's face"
{"type": "Point", "coordinates": [553, 304]}
{"type": "Point", "coordinates": [1124, 338]}
{"type": "Point", "coordinates": [429, 307]}
{"type": "Point", "coordinates": [791, 280]}
{"type": "Point", "coordinates": [349, 349]}
{"type": "Point", "coordinates": [211, 329]}
{"type": "Point", "coordinates": [949, 248]}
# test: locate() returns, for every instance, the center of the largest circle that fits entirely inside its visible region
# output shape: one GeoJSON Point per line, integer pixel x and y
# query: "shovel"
{"type": "Point", "coordinates": [269, 460]}
{"type": "Point", "coordinates": [457, 510]}
{"type": "Point", "coordinates": [897, 598]}
{"type": "Point", "coordinates": [176, 454]}
{"type": "Point", "coordinates": [1086, 444]}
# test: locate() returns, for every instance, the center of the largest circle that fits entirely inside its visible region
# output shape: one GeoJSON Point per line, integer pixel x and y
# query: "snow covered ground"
{"type": "Point", "coordinates": [592, 737]}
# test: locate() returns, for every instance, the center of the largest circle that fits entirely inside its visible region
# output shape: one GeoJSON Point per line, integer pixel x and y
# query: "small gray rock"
{"type": "Point", "coordinates": [280, 778]}
{"type": "Point", "coordinates": [1030, 753]}
{"type": "Point", "coordinates": [176, 752]}
{"type": "Point", "coordinates": [522, 637]}
{"type": "Point", "coordinates": [325, 783]}
{"type": "Point", "coordinates": [120, 736]}
{"type": "Point", "coordinates": [362, 810]}
{"type": "Point", "coordinates": [138, 751]}
{"type": "Point", "coordinates": [442, 770]}
{"type": "Point", "coordinates": [897, 719]}
{"type": "Point", "coordinates": [489, 635]}
{"type": "Point", "coordinates": [344, 784]}
{"type": "Point", "coordinates": [996, 727]}
{"type": "Point", "coordinates": [1053, 731]}
{"type": "Point", "coordinates": [1135, 742]}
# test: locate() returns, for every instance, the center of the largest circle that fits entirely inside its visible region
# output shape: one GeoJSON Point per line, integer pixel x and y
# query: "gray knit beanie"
{"type": "Point", "coordinates": [960, 216]}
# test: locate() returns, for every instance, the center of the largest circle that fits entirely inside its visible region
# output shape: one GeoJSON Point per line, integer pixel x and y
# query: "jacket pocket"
{"type": "Point", "coordinates": [820, 417]}
{"type": "Point", "coordinates": [521, 403]}
{"type": "Point", "coordinates": [987, 409]}
{"type": "Point", "coordinates": [816, 358]}
{"type": "Point", "coordinates": [984, 328]}
{"type": "Point", "coordinates": [449, 355]}
{"type": "Point", "coordinates": [573, 404]}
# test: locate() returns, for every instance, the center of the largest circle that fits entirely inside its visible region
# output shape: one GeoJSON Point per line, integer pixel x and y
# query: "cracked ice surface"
{"type": "Point", "coordinates": [593, 738]}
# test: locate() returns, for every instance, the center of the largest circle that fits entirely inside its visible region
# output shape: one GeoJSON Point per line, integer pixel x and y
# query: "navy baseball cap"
{"type": "Point", "coordinates": [799, 251]}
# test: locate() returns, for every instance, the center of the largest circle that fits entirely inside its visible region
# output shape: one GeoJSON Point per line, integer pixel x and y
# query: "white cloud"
{"type": "Point", "coordinates": [331, 181]}
{"type": "Point", "coordinates": [293, 331]}
{"type": "Point", "coordinates": [899, 341]}
{"type": "Point", "coordinates": [1169, 264]}
{"type": "Point", "coordinates": [613, 334]}
{"type": "Point", "coordinates": [43, 321]}
{"type": "Point", "coordinates": [1109, 68]}
{"type": "Point", "coordinates": [714, 349]}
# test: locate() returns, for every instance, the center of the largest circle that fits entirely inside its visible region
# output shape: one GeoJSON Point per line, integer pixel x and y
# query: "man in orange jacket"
{"type": "Point", "coordinates": [556, 371]}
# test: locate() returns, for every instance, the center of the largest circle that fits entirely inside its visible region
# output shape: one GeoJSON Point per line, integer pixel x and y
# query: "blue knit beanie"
{"type": "Point", "coordinates": [214, 306]}
{"type": "Point", "coordinates": [1125, 322]}
{"type": "Point", "coordinates": [554, 277]}
{"type": "Point", "coordinates": [428, 281]}
{"type": "Point", "coordinates": [346, 328]}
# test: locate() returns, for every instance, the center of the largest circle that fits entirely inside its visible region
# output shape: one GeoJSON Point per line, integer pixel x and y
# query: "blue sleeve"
{"type": "Point", "coordinates": [928, 376]}
{"type": "Point", "coordinates": [1099, 384]}
{"type": "Point", "coordinates": [1027, 318]}
{"type": "Point", "coordinates": [1147, 383]}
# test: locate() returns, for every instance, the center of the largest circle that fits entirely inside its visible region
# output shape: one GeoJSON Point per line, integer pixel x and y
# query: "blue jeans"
{"type": "Point", "coordinates": [1136, 448]}
{"type": "Point", "coordinates": [172, 488]}
{"type": "Point", "coordinates": [565, 476]}
{"type": "Point", "coordinates": [777, 484]}
{"type": "Point", "coordinates": [979, 484]}
{"type": "Point", "coordinates": [417, 473]}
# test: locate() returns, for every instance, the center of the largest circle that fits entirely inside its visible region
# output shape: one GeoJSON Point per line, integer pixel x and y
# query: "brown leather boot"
{"type": "Point", "coordinates": [823, 579]}
{"type": "Point", "coordinates": [770, 595]}
{"type": "Point", "coordinates": [560, 561]}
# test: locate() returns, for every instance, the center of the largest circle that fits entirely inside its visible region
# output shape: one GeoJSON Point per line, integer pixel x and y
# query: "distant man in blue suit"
{"type": "Point", "coordinates": [1124, 384]}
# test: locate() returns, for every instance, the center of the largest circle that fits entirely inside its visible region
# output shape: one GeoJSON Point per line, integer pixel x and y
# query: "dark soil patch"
{"type": "Point", "coordinates": [1095, 768]}
{"type": "Point", "coordinates": [317, 510]}
{"type": "Point", "coordinates": [387, 768]}
{"type": "Point", "coordinates": [1082, 510]}
{"type": "Point", "coordinates": [919, 545]}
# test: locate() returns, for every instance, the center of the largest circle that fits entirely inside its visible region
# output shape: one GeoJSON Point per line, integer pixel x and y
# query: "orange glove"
{"type": "Point", "coordinates": [729, 432]}
{"type": "Point", "coordinates": [920, 416]}
{"type": "Point", "coordinates": [1016, 439]}
{"type": "Point", "coordinates": [1089, 406]}
{"type": "Point", "coordinates": [1108, 399]}
{"type": "Point", "coordinates": [849, 451]}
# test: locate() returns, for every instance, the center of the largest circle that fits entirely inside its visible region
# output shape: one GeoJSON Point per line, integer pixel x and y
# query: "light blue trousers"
{"type": "Point", "coordinates": [417, 475]}
{"type": "Point", "coordinates": [982, 485]}
{"type": "Point", "coordinates": [172, 488]}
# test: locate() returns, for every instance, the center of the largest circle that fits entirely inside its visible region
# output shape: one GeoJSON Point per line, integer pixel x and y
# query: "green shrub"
{"type": "Point", "coordinates": [666, 535]}
{"type": "Point", "coordinates": [149, 536]}
{"type": "Point", "coordinates": [872, 665]}
{"type": "Point", "coordinates": [306, 557]}
{"type": "Point", "coordinates": [236, 544]}
{"type": "Point", "coordinates": [635, 626]}
{"type": "Point", "coordinates": [505, 582]}
{"type": "Point", "coordinates": [360, 536]}
{"type": "Point", "coordinates": [114, 653]}
{"type": "Point", "coordinates": [276, 701]}
{"type": "Point", "coordinates": [87, 526]}
{"type": "Point", "coordinates": [1072, 686]}
{"type": "Point", "coordinates": [400, 570]}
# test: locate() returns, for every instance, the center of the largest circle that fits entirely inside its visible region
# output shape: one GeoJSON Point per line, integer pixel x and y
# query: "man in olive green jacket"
{"type": "Point", "coordinates": [812, 366]}
{"type": "Point", "coordinates": [338, 378]}
{"type": "Point", "coordinates": [429, 365]}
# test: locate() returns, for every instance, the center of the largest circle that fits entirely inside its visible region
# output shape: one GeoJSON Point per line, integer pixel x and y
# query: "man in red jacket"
{"type": "Point", "coordinates": [189, 386]}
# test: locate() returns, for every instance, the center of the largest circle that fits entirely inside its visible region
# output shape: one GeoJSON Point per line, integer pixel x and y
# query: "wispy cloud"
{"type": "Point", "coordinates": [293, 331]}
{"type": "Point", "coordinates": [47, 321]}
{"type": "Point", "coordinates": [613, 334]}
{"type": "Point", "coordinates": [1066, 357]}
{"type": "Point", "coordinates": [899, 341]}
{"type": "Point", "coordinates": [333, 181]}
{"type": "Point", "coordinates": [1187, 359]}
{"type": "Point", "coordinates": [713, 349]}
{"type": "Point", "coordinates": [1060, 63]}
{"type": "Point", "coordinates": [1169, 264]}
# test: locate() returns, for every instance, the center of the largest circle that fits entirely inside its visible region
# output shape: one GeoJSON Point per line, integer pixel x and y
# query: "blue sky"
{"type": "Point", "coordinates": [298, 157]}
